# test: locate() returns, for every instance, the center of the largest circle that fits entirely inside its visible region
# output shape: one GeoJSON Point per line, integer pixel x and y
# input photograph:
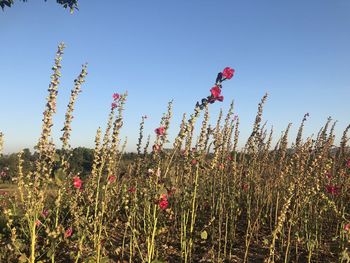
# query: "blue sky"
{"type": "Point", "coordinates": [297, 51]}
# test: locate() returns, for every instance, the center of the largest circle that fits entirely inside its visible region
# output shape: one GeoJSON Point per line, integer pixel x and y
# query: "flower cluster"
{"type": "Point", "coordinates": [116, 97]}
{"type": "Point", "coordinates": [215, 92]}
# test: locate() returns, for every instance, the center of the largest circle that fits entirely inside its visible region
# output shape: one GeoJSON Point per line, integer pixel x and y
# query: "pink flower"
{"type": "Point", "coordinates": [194, 161]}
{"type": "Point", "coordinates": [116, 96]}
{"type": "Point", "coordinates": [160, 131]}
{"type": "Point", "coordinates": [171, 191]}
{"type": "Point", "coordinates": [348, 163]}
{"type": "Point", "coordinates": [228, 72]}
{"type": "Point", "coordinates": [45, 213]}
{"type": "Point", "coordinates": [77, 182]}
{"type": "Point", "coordinates": [112, 178]}
{"type": "Point", "coordinates": [156, 148]}
{"type": "Point", "coordinates": [68, 232]}
{"type": "Point", "coordinates": [332, 189]}
{"type": "Point", "coordinates": [113, 105]}
{"type": "Point", "coordinates": [215, 91]}
{"type": "Point", "coordinates": [132, 190]}
{"type": "Point", "coordinates": [163, 203]}
{"type": "Point", "coordinates": [220, 98]}
{"type": "Point", "coordinates": [347, 227]}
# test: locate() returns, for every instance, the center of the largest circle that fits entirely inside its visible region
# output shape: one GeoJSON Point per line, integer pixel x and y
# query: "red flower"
{"type": "Point", "coordinates": [77, 182]}
{"type": "Point", "coordinates": [228, 72]}
{"type": "Point", "coordinates": [194, 161]}
{"type": "Point", "coordinates": [332, 189]}
{"type": "Point", "coordinates": [113, 105]}
{"type": "Point", "coordinates": [171, 191]}
{"type": "Point", "coordinates": [163, 203]}
{"type": "Point", "coordinates": [220, 98]}
{"type": "Point", "coordinates": [215, 91]}
{"type": "Point", "coordinates": [45, 213]}
{"type": "Point", "coordinates": [347, 227]}
{"type": "Point", "coordinates": [132, 190]}
{"type": "Point", "coordinates": [348, 163]}
{"type": "Point", "coordinates": [116, 96]}
{"type": "Point", "coordinates": [37, 222]}
{"type": "Point", "coordinates": [112, 178]}
{"type": "Point", "coordinates": [156, 148]}
{"type": "Point", "coordinates": [68, 232]}
{"type": "Point", "coordinates": [160, 131]}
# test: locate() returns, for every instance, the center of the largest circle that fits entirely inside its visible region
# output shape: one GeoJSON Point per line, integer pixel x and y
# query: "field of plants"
{"type": "Point", "coordinates": [202, 200]}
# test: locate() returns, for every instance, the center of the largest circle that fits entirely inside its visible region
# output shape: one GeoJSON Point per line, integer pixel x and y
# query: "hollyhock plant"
{"type": "Point", "coordinates": [228, 72]}
{"type": "Point", "coordinates": [77, 182]}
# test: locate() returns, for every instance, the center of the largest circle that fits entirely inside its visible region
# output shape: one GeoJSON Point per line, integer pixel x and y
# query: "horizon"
{"type": "Point", "coordinates": [297, 52]}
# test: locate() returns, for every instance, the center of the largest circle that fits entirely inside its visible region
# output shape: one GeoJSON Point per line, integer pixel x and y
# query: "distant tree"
{"type": "Point", "coordinates": [72, 4]}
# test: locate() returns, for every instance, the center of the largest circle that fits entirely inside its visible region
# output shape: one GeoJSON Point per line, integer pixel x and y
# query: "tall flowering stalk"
{"type": "Point", "coordinates": [70, 108]}
{"type": "Point", "coordinates": [1, 142]}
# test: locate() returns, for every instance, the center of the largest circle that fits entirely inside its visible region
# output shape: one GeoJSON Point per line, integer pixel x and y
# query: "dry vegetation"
{"type": "Point", "coordinates": [201, 201]}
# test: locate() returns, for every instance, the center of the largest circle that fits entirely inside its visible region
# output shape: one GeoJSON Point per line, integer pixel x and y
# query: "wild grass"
{"type": "Point", "coordinates": [201, 201]}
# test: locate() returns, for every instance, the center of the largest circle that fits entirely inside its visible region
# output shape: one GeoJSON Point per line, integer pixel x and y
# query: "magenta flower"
{"type": "Point", "coordinates": [215, 91]}
{"type": "Point", "coordinates": [348, 163]}
{"type": "Point", "coordinates": [116, 96]}
{"type": "Point", "coordinates": [45, 213]}
{"type": "Point", "coordinates": [332, 189]}
{"type": "Point", "coordinates": [228, 72]}
{"type": "Point", "coordinates": [347, 228]}
{"type": "Point", "coordinates": [114, 105]}
{"type": "Point", "coordinates": [112, 178]}
{"type": "Point", "coordinates": [160, 131]}
{"type": "Point", "coordinates": [132, 190]}
{"type": "Point", "coordinates": [68, 232]}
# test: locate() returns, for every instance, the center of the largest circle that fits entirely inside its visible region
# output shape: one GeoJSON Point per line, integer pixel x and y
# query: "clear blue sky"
{"type": "Point", "coordinates": [297, 51]}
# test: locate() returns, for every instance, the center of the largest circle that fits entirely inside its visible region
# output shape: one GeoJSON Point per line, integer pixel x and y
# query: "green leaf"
{"type": "Point", "coordinates": [204, 235]}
